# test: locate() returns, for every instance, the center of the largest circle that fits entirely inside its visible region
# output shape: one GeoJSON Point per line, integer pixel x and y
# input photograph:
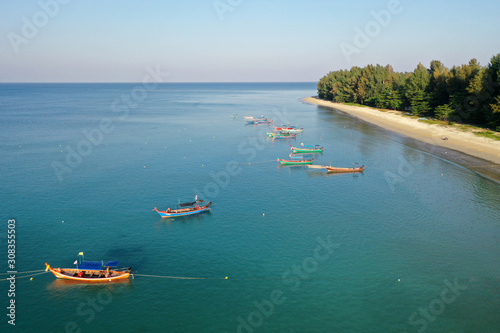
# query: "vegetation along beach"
{"type": "Point", "coordinates": [456, 109]}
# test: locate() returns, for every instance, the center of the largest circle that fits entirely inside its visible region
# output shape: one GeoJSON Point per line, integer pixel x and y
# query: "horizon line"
{"type": "Point", "coordinates": [45, 82]}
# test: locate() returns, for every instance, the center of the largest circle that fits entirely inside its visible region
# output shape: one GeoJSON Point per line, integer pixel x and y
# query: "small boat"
{"type": "Point", "coordinates": [345, 170]}
{"type": "Point", "coordinates": [337, 170]}
{"type": "Point", "coordinates": [281, 135]}
{"type": "Point", "coordinates": [307, 149]}
{"type": "Point", "coordinates": [91, 271]}
{"type": "Point", "coordinates": [192, 208]}
{"type": "Point", "coordinates": [263, 120]}
{"type": "Point", "coordinates": [250, 119]}
{"type": "Point", "coordinates": [295, 161]}
{"type": "Point", "coordinates": [234, 115]}
{"type": "Point", "coordinates": [288, 128]}
{"type": "Point", "coordinates": [294, 130]}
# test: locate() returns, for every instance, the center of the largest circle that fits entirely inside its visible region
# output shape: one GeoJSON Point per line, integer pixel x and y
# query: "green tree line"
{"type": "Point", "coordinates": [466, 94]}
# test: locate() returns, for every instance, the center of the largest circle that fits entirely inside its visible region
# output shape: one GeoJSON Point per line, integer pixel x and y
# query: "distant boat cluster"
{"type": "Point", "coordinates": [300, 155]}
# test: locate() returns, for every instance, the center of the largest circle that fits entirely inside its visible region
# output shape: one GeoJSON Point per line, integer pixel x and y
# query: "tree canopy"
{"type": "Point", "coordinates": [466, 94]}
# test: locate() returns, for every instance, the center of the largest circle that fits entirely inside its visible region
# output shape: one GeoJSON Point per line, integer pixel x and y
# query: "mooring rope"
{"type": "Point", "coordinates": [257, 162]}
{"type": "Point", "coordinates": [25, 276]}
{"type": "Point", "coordinates": [181, 277]}
{"type": "Point", "coordinates": [39, 270]}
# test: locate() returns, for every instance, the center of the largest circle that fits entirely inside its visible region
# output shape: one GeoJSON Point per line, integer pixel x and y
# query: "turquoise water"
{"type": "Point", "coordinates": [410, 245]}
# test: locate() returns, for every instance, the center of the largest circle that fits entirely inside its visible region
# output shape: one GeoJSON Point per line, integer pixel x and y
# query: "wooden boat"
{"type": "Point", "coordinates": [288, 129]}
{"type": "Point", "coordinates": [295, 162]}
{"type": "Point", "coordinates": [91, 271]}
{"type": "Point", "coordinates": [337, 170]}
{"type": "Point", "coordinates": [307, 149]}
{"type": "Point", "coordinates": [192, 208]}
{"type": "Point", "coordinates": [263, 120]}
{"type": "Point", "coordinates": [294, 130]}
{"type": "Point", "coordinates": [281, 135]}
{"type": "Point", "coordinates": [345, 170]}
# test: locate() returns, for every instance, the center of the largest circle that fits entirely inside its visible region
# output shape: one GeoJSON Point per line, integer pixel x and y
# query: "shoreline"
{"type": "Point", "coordinates": [478, 154]}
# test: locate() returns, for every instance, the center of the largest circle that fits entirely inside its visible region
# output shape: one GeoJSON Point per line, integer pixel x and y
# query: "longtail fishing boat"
{"type": "Point", "coordinates": [263, 120]}
{"type": "Point", "coordinates": [295, 161]}
{"type": "Point", "coordinates": [345, 170]}
{"type": "Point", "coordinates": [91, 271]}
{"type": "Point", "coordinates": [281, 135]}
{"type": "Point", "coordinates": [337, 170]}
{"type": "Point", "coordinates": [307, 149]}
{"type": "Point", "coordinates": [294, 130]}
{"type": "Point", "coordinates": [185, 209]}
{"type": "Point", "coordinates": [288, 128]}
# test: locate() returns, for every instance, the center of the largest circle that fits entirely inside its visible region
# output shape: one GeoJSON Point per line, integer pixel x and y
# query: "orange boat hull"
{"type": "Point", "coordinates": [90, 275]}
{"type": "Point", "coordinates": [345, 170]}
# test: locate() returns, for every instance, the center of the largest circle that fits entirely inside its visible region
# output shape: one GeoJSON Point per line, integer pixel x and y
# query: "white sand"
{"type": "Point", "coordinates": [466, 142]}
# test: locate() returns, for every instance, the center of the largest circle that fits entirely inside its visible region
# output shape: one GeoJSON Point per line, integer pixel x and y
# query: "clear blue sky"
{"type": "Point", "coordinates": [258, 40]}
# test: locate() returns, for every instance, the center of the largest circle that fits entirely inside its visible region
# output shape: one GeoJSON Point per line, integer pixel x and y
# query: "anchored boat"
{"type": "Point", "coordinates": [288, 129]}
{"type": "Point", "coordinates": [262, 120]}
{"type": "Point", "coordinates": [91, 271]}
{"type": "Point", "coordinates": [295, 161]}
{"type": "Point", "coordinates": [338, 170]}
{"type": "Point", "coordinates": [345, 170]}
{"type": "Point", "coordinates": [307, 149]}
{"type": "Point", "coordinates": [185, 209]}
{"type": "Point", "coordinates": [281, 135]}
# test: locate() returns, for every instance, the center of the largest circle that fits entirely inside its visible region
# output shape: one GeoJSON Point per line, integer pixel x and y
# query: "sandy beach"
{"type": "Point", "coordinates": [486, 151]}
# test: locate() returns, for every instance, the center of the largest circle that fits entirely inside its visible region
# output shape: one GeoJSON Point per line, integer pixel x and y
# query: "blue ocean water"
{"type": "Point", "coordinates": [410, 245]}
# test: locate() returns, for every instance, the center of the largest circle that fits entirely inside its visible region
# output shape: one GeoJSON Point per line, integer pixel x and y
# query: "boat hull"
{"type": "Point", "coordinates": [302, 150]}
{"type": "Point", "coordinates": [306, 149]}
{"type": "Point", "coordinates": [90, 275]}
{"type": "Point", "coordinates": [176, 213]}
{"type": "Point", "coordinates": [344, 170]}
{"type": "Point", "coordinates": [291, 162]}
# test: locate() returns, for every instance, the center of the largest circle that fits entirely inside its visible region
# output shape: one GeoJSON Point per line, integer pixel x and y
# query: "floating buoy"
{"type": "Point", "coordinates": [263, 214]}
{"type": "Point", "coordinates": [399, 280]}
{"type": "Point", "coordinates": [62, 221]}
{"type": "Point", "coordinates": [144, 166]}
{"type": "Point", "coordinates": [227, 278]}
{"type": "Point", "coordinates": [31, 279]}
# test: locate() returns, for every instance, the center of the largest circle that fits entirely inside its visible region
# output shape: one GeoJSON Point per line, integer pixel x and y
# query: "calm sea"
{"type": "Point", "coordinates": [410, 245]}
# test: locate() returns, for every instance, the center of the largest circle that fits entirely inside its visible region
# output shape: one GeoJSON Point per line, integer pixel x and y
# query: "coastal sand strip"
{"type": "Point", "coordinates": [463, 142]}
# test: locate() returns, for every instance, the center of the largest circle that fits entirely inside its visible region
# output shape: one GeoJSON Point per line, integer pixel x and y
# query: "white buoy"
{"type": "Point", "coordinates": [263, 214]}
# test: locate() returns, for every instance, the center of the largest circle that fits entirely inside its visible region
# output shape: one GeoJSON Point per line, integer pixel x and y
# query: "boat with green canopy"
{"type": "Point", "coordinates": [307, 149]}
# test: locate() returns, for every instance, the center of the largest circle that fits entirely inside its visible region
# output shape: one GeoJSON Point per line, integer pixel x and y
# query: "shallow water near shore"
{"type": "Point", "coordinates": [412, 243]}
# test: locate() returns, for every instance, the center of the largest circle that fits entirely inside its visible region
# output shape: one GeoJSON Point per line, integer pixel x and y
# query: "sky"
{"type": "Point", "coordinates": [237, 40]}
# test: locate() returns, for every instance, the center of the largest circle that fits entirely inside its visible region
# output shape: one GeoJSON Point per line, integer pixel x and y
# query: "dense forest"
{"type": "Point", "coordinates": [466, 94]}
